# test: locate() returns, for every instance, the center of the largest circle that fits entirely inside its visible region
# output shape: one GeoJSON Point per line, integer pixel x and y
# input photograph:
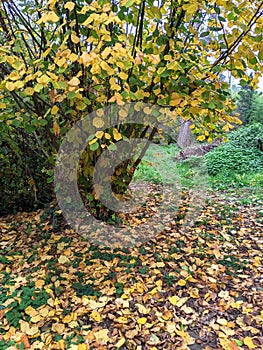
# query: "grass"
{"type": "Point", "coordinates": [160, 166]}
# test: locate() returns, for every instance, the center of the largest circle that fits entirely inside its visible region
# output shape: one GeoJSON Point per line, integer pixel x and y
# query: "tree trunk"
{"type": "Point", "coordinates": [184, 138]}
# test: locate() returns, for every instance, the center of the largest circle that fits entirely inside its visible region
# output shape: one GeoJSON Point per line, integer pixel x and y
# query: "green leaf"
{"type": "Point", "coordinates": [204, 34]}
{"type": "Point", "coordinates": [94, 146]}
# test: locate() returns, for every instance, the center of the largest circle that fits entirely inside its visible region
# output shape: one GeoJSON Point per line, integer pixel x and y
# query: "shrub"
{"type": "Point", "coordinates": [240, 154]}
{"type": "Point", "coordinates": [23, 183]}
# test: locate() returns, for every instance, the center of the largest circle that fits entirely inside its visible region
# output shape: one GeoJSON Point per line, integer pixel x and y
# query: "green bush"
{"type": "Point", "coordinates": [240, 154]}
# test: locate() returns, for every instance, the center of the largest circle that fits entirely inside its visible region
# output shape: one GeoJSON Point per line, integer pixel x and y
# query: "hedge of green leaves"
{"type": "Point", "coordinates": [240, 154]}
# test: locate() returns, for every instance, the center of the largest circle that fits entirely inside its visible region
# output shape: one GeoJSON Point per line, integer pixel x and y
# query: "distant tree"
{"type": "Point", "coordinates": [244, 103]}
{"type": "Point", "coordinates": [256, 114]}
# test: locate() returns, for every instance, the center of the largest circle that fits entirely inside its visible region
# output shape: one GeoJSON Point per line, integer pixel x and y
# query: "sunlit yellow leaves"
{"type": "Point", "coordinates": [173, 300]}
{"type": "Point", "coordinates": [10, 86]}
{"type": "Point", "coordinates": [74, 82]}
{"type": "Point", "coordinates": [92, 304]}
{"type": "Point", "coordinates": [106, 52]}
{"type": "Point", "coordinates": [95, 69]}
{"type": "Point", "coordinates": [43, 80]}
{"type": "Point", "coordinates": [249, 343]}
{"type": "Point", "coordinates": [69, 5]}
{"type": "Point", "coordinates": [73, 57]}
{"type": "Point", "coordinates": [104, 65]}
{"type": "Point", "coordinates": [142, 320]}
{"type": "Point", "coordinates": [116, 135]}
{"type": "Point", "coordinates": [123, 76]}
{"type": "Point", "coordinates": [75, 39]}
{"type": "Point", "coordinates": [95, 316]}
{"type": "Point", "coordinates": [49, 16]}
{"type": "Point", "coordinates": [60, 61]}
{"type": "Point", "coordinates": [201, 138]}
{"type": "Point", "coordinates": [29, 91]}
{"type": "Point", "coordinates": [181, 282]}
{"type": "Point", "coordinates": [14, 76]}
{"type": "Point", "coordinates": [45, 53]}
{"type": "Point", "coordinates": [190, 8]}
{"type": "Point", "coordinates": [31, 331]}
{"type": "Point", "coordinates": [99, 134]}
{"type": "Point", "coordinates": [122, 319]}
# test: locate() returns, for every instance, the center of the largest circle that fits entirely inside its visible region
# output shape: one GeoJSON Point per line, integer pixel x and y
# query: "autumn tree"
{"type": "Point", "coordinates": [61, 60]}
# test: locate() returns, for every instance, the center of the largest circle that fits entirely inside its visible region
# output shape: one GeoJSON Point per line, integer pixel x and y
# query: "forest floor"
{"type": "Point", "coordinates": [197, 289]}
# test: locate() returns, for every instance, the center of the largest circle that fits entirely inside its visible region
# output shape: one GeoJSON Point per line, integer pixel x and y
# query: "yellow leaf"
{"type": "Point", "coordinates": [56, 130]}
{"type": "Point", "coordinates": [36, 318]}
{"type": "Point", "coordinates": [123, 76]}
{"type": "Point", "coordinates": [201, 138]}
{"type": "Point", "coordinates": [102, 336]}
{"type": "Point", "coordinates": [33, 332]}
{"type": "Point", "coordinates": [107, 136]}
{"type": "Point", "coordinates": [52, 17]}
{"type": "Point", "coordinates": [75, 39]}
{"type": "Point", "coordinates": [82, 346]}
{"type": "Point", "coordinates": [14, 76]}
{"type": "Point", "coordinates": [67, 318]}
{"type": "Point", "coordinates": [63, 259]}
{"type": "Point", "coordinates": [43, 80]}
{"type": "Point", "coordinates": [142, 320]}
{"type": "Point", "coordinates": [190, 8]}
{"type": "Point", "coordinates": [222, 321]}
{"type": "Point", "coordinates": [93, 141]}
{"type": "Point", "coordinates": [99, 134]}
{"type": "Point", "coordinates": [61, 61]}
{"type": "Point", "coordinates": [54, 110]}
{"type": "Point", "coordinates": [29, 91]}
{"type": "Point", "coordinates": [194, 103]}
{"type": "Point", "coordinates": [116, 135]}
{"type": "Point", "coordinates": [98, 122]}
{"type": "Point", "coordinates": [249, 343]}
{"type": "Point", "coordinates": [173, 300]}
{"type": "Point", "coordinates": [142, 309]}
{"type": "Point", "coordinates": [122, 319]}
{"type": "Point", "coordinates": [120, 343]}
{"type": "Point", "coordinates": [181, 283]}
{"type": "Point", "coordinates": [47, 52]}
{"type": "Point", "coordinates": [104, 65]}
{"type": "Point", "coordinates": [10, 86]}
{"type": "Point", "coordinates": [73, 57]}
{"type": "Point", "coordinates": [181, 301]}
{"type": "Point", "coordinates": [106, 52]}
{"type": "Point", "coordinates": [31, 311]}
{"type": "Point", "coordinates": [74, 82]}
{"type": "Point", "coordinates": [58, 328]}
{"type": "Point", "coordinates": [61, 344]}
{"type": "Point", "coordinates": [69, 5]}
{"type": "Point", "coordinates": [95, 316]}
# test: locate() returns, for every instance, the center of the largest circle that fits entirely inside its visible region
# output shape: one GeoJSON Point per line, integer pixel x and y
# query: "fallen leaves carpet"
{"type": "Point", "coordinates": [199, 290]}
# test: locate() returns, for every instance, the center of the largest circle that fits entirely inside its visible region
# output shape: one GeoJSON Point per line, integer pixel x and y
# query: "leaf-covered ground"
{"type": "Point", "coordinates": [199, 290]}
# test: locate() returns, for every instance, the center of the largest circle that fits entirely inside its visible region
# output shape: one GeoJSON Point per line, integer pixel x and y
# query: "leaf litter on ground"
{"type": "Point", "coordinates": [197, 289]}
